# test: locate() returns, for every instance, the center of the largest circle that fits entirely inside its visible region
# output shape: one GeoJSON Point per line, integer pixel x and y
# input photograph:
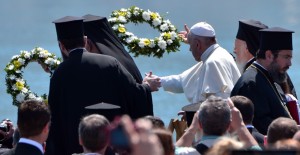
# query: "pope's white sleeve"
{"type": "Point", "coordinates": [172, 83]}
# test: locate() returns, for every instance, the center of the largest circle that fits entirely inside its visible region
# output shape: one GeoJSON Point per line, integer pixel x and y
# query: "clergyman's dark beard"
{"type": "Point", "coordinates": [276, 75]}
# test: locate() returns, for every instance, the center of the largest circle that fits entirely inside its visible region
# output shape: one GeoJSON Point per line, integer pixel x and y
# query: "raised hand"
{"type": "Point", "coordinates": [184, 34]}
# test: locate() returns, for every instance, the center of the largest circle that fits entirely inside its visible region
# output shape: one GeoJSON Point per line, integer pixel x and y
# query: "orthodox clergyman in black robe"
{"type": "Point", "coordinates": [85, 79]}
{"type": "Point", "coordinates": [99, 31]}
{"type": "Point", "coordinates": [257, 82]}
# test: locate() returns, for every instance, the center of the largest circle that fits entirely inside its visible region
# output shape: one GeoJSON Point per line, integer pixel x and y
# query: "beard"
{"type": "Point", "coordinates": [275, 74]}
{"type": "Point", "coordinates": [241, 66]}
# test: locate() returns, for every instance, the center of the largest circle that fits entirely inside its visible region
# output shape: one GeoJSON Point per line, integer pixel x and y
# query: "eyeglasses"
{"type": "Point", "coordinates": [287, 57]}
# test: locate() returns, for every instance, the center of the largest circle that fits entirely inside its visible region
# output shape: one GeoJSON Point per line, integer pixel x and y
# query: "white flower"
{"type": "Point", "coordinates": [15, 57]}
{"type": "Point", "coordinates": [164, 27]}
{"type": "Point", "coordinates": [24, 90]}
{"type": "Point", "coordinates": [141, 43]}
{"type": "Point", "coordinates": [20, 97]}
{"type": "Point", "coordinates": [167, 22]}
{"type": "Point", "coordinates": [114, 19]}
{"type": "Point", "coordinates": [10, 67]}
{"type": "Point", "coordinates": [129, 40]}
{"type": "Point", "coordinates": [146, 16]}
{"type": "Point", "coordinates": [173, 35]}
{"type": "Point", "coordinates": [39, 99]}
{"type": "Point", "coordinates": [172, 27]}
{"type": "Point", "coordinates": [152, 43]}
{"type": "Point", "coordinates": [162, 44]}
{"type": "Point", "coordinates": [18, 71]}
{"type": "Point", "coordinates": [115, 27]}
{"type": "Point", "coordinates": [156, 22]}
{"type": "Point", "coordinates": [122, 19]}
{"type": "Point", "coordinates": [123, 10]}
{"type": "Point", "coordinates": [22, 61]}
{"type": "Point", "coordinates": [57, 62]}
{"type": "Point", "coordinates": [128, 15]}
{"type": "Point", "coordinates": [136, 13]}
{"type": "Point", "coordinates": [169, 41]}
{"type": "Point", "coordinates": [49, 61]}
{"type": "Point", "coordinates": [12, 77]}
{"type": "Point", "coordinates": [128, 33]}
{"type": "Point", "coordinates": [14, 87]}
{"type": "Point", "coordinates": [31, 96]}
{"type": "Point", "coordinates": [136, 8]}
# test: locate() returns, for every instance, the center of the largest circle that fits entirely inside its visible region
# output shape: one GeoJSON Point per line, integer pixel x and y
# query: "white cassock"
{"type": "Point", "coordinates": [216, 74]}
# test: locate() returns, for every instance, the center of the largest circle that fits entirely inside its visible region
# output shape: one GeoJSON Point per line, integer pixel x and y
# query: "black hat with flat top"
{"type": "Point", "coordinates": [249, 32]}
{"type": "Point", "coordinates": [110, 111]}
{"type": "Point", "coordinates": [276, 38]}
{"type": "Point", "coordinates": [69, 27]}
{"type": "Point", "coordinates": [190, 110]}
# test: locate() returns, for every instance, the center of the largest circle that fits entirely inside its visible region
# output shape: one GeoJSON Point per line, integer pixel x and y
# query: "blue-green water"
{"type": "Point", "coordinates": [28, 23]}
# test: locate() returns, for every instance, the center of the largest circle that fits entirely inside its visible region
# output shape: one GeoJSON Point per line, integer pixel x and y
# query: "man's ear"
{"type": "Point", "coordinates": [269, 55]}
{"type": "Point", "coordinates": [85, 40]}
{"type": "Point", "coordinates": [63, 48]}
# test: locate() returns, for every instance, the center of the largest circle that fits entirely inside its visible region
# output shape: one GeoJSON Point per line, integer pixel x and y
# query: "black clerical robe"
{"type": "Point", "coordinates": [258, 86]}
{"type": "Point", "coordinates": [85, 79]}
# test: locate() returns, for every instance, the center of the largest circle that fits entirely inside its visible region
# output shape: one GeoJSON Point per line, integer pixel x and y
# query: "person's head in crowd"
{"type": "Point", "coordinates": [165, 138]}
{"type": "Point", "coordinates": [247, 41]}
{"type": "Point", "coordinates": [245, 106]}
{"type": "Point", "coordinates": [275, 52]}
{"type": "Point", "coordinates": [201, 37]}
{"type": "Point", "coordinates": [286, 144]}
{"type": "Point", "coordinates": [214, 116]}
{"type": "Point", "coordinates": [34, 120]}
{"type": "Point", "coordinates": [297, 136]}
{"type": "Point", "coordinates": [156, 121]}
{"type": "Point", "coordinates": [70, 34]}
{"type": "Point", "coordinates": [93, 133]}
{"type": "Point", "coordinates": [281, 128]}
{"type": "Point", "coordinates": [224, 146]}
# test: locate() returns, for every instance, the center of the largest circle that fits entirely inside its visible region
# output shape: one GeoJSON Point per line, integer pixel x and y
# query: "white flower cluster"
{"type": "Point", "coordinates": [16, 85]}
{"type": "Point", "coordinates": [167, 38]}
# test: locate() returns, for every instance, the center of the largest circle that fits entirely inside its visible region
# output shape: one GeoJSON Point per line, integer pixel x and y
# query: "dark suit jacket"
{"type": "Point", "coordinates": [257, 136]}
{"type": "Point", "coordinates": [258, 86]}
{"type": "Point", "coordinates": [85, 79]}
{"type": "Point", "coordinates": [24, 149]}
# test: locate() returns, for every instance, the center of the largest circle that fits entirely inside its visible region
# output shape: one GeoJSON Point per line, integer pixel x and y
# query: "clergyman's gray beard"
{"type": "Point", "coordinates": [241, 67]}
{"type": "Point", "coordinates": [276, 75]}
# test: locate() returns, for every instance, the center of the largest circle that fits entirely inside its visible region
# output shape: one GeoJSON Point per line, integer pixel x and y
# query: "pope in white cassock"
{"type": "Point", "coordinates": [215, 73]}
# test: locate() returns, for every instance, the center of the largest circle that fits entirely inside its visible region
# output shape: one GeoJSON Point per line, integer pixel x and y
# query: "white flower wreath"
{"type": "Point", "coordinates": [167, 41]}
{"type": "Point", "coordinates": [16, 85]}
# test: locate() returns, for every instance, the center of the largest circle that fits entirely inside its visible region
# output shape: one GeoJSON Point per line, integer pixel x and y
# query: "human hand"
{"type": "Point", "coordinates": [236, 117]}
{"type": "Point", "coordinates": [153, 81]}
{"type": "Point", "coordinates": [184, 34]}
{"type": "Point", "coordinates": [141, 138]}
{"type": "Point", "coordinates": [9, 125]}
{"type": "Point", "coordinates": [46, 69]}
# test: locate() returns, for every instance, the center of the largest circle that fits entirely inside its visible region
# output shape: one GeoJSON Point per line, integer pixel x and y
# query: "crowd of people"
{"type": "Point", "coordinates": [99, 104]}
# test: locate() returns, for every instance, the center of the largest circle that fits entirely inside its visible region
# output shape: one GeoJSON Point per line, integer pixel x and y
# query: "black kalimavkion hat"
{"type": "Point", "coordinates": [69, 27]}
{"type": "Point", "coordinates": [249, 32]}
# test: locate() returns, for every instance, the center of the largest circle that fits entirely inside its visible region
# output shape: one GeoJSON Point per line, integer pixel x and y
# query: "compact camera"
{"type": "Point", "coordinates": [4, 127]}
{"type": "Point", "coordinates": [118, 138]}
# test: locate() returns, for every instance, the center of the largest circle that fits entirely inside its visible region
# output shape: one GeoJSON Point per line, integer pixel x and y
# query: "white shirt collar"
{"type": "Point", "coordinates": [32, 142]}
{"type": "Point", "coordinates": [208, 51]}
{"type": "Point", "coordinates": [76, 49]}
{"type": "Point", "coordinates": [259, 65]}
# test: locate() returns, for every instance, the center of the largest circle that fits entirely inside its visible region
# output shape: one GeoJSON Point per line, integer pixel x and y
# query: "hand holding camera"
{"type": "Point", "coordinates": [6, 130]}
